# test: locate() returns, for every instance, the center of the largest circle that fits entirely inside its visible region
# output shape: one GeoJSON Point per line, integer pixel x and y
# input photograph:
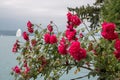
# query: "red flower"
{"type": "Point", "coordinates": [62, 49]}
{"type": "Point", "coordinates": [25, 36]}
{"type": "Point", "coordinates": [70, 34]}
{"type": "Point", "coordinates": [16, 69]}
{"type": "Point", "coordinates": [111, 36]}
{"type": "Point", "coordinates": [117, 45]}
{"type": "Point", "coordinates": [81, 35]}
{"type": "Point", "coordinates": [33, 42]}
{"type": "Point", "coordinates": [27, 69]}
{"type": "Point", "coordinates": [30, 27]}
{"type": "Point", "coordinates": [62, 41]}
{"type": "Point", "coordinates": [29, 24]}
{"type": "Point", "coordinates": [50, 28]}
{"type": "Point", "coordinates": [108, 31]}
{"type": "Point", "coordinates": [31, 30]}
{"type": "Point", "coordinates": [47, 38]}
{"type": "Point", "coordinates": [117, 54]}
{"type": "Point", "coordinates": [76, 51]}
{"type": "Point", "coordinates": [108, 27]}
{"type": "Point", "coordinates": [73, 19]}
{"type": "Point", "coordinates": [53, 39]}
{"type": "Point", "coordinates": [15, 46]}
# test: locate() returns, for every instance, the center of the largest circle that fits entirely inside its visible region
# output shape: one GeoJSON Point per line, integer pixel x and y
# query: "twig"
{"type": "Point", "coordinates": [79, 77]}
{"type": "Point", "coordinates": [89, 31]}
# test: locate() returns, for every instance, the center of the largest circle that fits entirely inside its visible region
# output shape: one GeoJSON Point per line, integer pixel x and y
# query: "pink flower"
{"type": "Point", "coordinates": [16, 69]}
{"type": "Point", "coordinates": [31, 30]}
{"type": "Point", "coordinates": [117, 45]}
{"type": "Point", "coordinates": [50, 28]}
{"type": "Point", "coordinates": [53, 39]}
{"type": "Point", "coordinates": [30, 27]}
{"type": "Point", "coordinates": [33, 42]}
{"type": "Point", "coordinates": [29, 24]}
{"type": "Point", "coordinates": [81, 35]}
{"type": "Point", "coordinates": [108, 27]}
{"type": "Point", "coordinates": [108, 31]}
{"type": "Point", "coordinates": [47, 38]}
{"type": "Point", "coordinates": [117, 54]}
{"type": "Point", "coordinates": [70, 34]}
{"type": "Point", "coordinates": [109, 36]}
{"type": "Point", "coordinates": [70, 27]}
{"type": "Point", "coordinates": [27, 69]}
{"type": "Point", "coordinates": [62, 49]}
{"type": "Point", "coordinates": [15, 46]}
{"type": "Point", "coordinates": [62, 41]}
{"type": "Point", "coordinates": [76, 51]}
{"type": "Point", "coordinates": [25, 36]}
{"type": "Point", "coordinates": [73, 19]}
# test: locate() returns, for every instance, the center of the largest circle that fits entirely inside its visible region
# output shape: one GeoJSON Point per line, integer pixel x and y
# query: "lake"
{"type": "Point", "coordinates": [8, 60]}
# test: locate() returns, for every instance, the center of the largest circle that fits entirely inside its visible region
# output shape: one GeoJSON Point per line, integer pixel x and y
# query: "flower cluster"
{"type": "Point", "coordinates": [49, 37]}
{"type": "Point", "coordinates": [108, 31]}
{"type": "Point", "coordinates": [51, 54]}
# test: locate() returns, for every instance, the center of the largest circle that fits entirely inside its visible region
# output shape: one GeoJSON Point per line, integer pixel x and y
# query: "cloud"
{"type": "Point", "coordinates": [36, 10]}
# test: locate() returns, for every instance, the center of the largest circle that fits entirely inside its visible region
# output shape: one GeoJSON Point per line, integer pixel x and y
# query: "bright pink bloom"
{"type": "Point", "coordinates": [53, 39]}
{"type": "Point", "coordinates": [50, 28]}
{"type": "Point", "coordinates": [62, 41]}
{"type": "Point", "coordinates": [109, 36]}
{"type": "Point", "coordinates": [62, 48]}
{"type": "Point", "coordinates": [70, 34]}
{"type": "Point", "coordinates": [73, 19]}
{"type": "Point", "coordinates": [108, 31]}
{"type": "Point", "coordinates": [81, 35]}
{"type": "Point", "coordinates": [108, 27]}
{"type": "Point", "coordinates": [117, 54]}
{"type": "Point", "coordinates": [27, 69]}
{"type": "Point", "coordinates": [16, 69]}
{"type": "Point", "coordinates": [25, 36]}
{"type": "Point", "coordinates": [31, 30]}
{"type": "Point", "coordinates": [30, 27]}
{"type": "Point", "coordinates": [76, 51]}
{"type": "Point", "coordinates": [29, 24]}
{"type": "Point", "coordinates": [117, 45]}
{"type": "Point", "coordinates": [15, 46]}
{"type": "Point", "coordinates": [70, 27]}
{"type": "Point", "coordinates": [47, 38]}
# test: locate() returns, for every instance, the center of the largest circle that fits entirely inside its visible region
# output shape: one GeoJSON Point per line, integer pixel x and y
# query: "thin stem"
{"type": "Point", "coordinates": [86, 68]}
{"type": "Point", "coordinates": [89, 32]}
{"type": "Point", "coordinates": [38, 26]}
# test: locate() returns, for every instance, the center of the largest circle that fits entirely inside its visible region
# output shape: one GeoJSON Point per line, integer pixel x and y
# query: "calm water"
{"type": "Point", "coordinates": [8, 60]}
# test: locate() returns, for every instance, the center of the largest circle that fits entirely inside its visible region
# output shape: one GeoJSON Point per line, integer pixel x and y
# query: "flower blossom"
{"type": "Point", "coordinates": [73, 19]}
{"type": "Point", "coordinates": [15, 46]}
{"type": "Point", "coordinates": [53, 39]}
{"type": "Point", "coordinates": [117, 45]}
{"type": "Point", "coordinates": [50, 28]}
{"type": "Point", "coordinates": [30, 27]}
{"type": "Point", "coordinates": [16, 69]}
{"type": "Point", "coordinates": [62, 48]}
{"type": "Point", "coordinates": [76, 51]}
{"type": "Point", "coordinates": [117, 54]}
{"type": "Point", "coordinates": [108, 31]}
{"type": "Point", "coordinates": [47, 38]}
{"type": "Point", "coordinates": [70, 34]}
{"type": "Point", "coordinates": [25, 36]}
{"type": "Point", "coordinates": [50, 39]}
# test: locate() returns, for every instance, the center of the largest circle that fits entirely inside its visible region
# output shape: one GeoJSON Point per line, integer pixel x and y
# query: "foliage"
{"type": "Point", "coordinates": [50, 55]}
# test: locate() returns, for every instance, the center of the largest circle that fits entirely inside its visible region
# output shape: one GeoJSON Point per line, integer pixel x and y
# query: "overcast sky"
{"type": "Point", "coordinates": [14, 14]}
